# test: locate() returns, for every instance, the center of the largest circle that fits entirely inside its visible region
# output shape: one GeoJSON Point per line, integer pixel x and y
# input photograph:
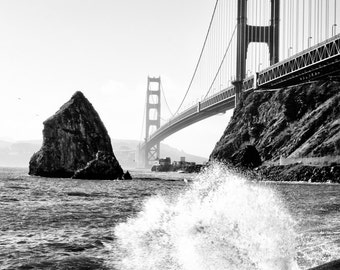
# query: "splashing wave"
{"type": "Point", "coordinates": [222, 221]}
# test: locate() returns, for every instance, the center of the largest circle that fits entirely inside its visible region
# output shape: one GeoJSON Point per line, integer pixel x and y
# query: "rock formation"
{"type": "Point", "coordinates": [127, 176]}
{"type": "Point", "coordinates": [104, 166]}
{"type": "Point", "coordinates": [71, 138]}
{"type": "Point", "coordinates": [302, 121]}
{"type": "Point", "coordinates": [300, 172]}
{"type": "Point", "coordinates": [247, 157]}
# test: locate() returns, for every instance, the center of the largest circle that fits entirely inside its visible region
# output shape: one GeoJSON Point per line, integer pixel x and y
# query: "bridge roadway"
{"type": "Point", "coordinates": [319, 62]}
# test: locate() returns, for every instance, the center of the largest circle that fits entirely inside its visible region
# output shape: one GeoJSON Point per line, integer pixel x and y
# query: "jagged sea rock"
{"type": "Point", "coordinates": [104, 166]}
{"type": "Point", "coordinates": [71, 138]}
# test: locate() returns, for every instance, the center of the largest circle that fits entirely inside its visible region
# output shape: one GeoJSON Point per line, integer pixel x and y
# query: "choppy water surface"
{"type": "Point", "coordinates": [218, 221]}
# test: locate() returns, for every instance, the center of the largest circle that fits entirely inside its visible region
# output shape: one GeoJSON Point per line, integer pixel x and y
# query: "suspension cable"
{"type": "Point", "coordinates": [166, 102]}
{"type": "Point", "coordinates": [199, 59]}
{"type": "Point", "coordinates": [219, 68]}
{"type": "Point", "coordinates": [334, 25]}
{"type": "Point", "coordinates": [143, 121]}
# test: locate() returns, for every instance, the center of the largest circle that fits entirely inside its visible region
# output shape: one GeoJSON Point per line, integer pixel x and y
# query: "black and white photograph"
{"type": "Point", "coordinates": [169, 134]}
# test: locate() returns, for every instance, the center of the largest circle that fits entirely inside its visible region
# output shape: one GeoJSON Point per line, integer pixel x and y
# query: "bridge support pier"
{"type": "Point", "coordinates": [153, 106]}
{"type": "Point", "coordinates": [250, 33]}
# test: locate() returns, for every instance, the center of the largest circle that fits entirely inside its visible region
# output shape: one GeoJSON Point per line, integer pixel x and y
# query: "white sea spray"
{"type": "Point", "coordinates": [222, 221]}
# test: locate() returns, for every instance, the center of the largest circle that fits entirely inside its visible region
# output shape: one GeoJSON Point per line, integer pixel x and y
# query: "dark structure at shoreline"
{"type": "Point", "coordinates": [165, 165]}
{"type": "Point", "coordinates": [76, 144]}
{"type": "Point", "coordinates": [299, 123]}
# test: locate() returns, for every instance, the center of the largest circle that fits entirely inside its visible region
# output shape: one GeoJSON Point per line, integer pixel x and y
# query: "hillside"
{"type": "Point", "coordinates": [125, 151]}
{"type": "Point", "coordinates": [298, 122]}
{"type": "Point", "coordinates": [18, 154]}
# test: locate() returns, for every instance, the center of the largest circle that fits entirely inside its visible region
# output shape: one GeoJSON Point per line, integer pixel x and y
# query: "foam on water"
{"type": "Point", "coordinates": [221, 222]}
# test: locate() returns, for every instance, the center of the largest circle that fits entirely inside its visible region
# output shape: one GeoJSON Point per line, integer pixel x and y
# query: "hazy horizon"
{"type": "Point", "coordinates": [19, 153]}
{"type": "Point", "coordinates": [107, 49]}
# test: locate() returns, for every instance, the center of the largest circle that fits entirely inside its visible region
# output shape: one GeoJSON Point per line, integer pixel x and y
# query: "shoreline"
{"type": "Point", "coordinates": [297, 173]}
{"type": "Point", "coordinates": [293, 173]}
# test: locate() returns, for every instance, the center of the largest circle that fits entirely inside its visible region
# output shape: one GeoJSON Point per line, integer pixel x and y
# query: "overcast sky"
{"type": "Point", "coordinates": [106, 48]}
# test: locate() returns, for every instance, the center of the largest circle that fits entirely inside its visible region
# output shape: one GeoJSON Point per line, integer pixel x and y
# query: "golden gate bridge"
{"type": "Point", "coordinates": [249, 45]}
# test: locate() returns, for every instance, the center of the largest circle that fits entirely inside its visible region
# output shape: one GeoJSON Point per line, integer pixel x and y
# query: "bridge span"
{"type": "Point", "coordinates": [321, 61]}
{"type": "Point", "coordinates": [303, 33]}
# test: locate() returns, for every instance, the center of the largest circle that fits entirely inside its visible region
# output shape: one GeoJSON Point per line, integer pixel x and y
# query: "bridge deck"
{"type": "Point", "coordinates": [318, 62]}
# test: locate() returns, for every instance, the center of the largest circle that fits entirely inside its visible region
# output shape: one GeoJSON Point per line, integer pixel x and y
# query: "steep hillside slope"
{"type": "Point", "coordinates": [125, 150]}
{"type": "Point", "coordinates": [302, 121]}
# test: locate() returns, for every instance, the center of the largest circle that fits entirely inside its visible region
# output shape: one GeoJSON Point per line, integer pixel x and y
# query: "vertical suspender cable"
{"type": "Point", "coordinates": [254, 37]}
{"type": "Point", "coordinates": [249, 65]}
{"type": "Point", "coordinates": [309, 23]}
{"type": "Point", "coordinates": [315, 22]}
{"type": "Point", "coordinates": [265, 25]}
{"type": "Point", "coordinates": [318, 21]}
{"type": "Point", "coordinates": [283, 29]}
{"type": "Point", "coordinates": [165, 99]}
{"type": "Point", "coordinates": [221, 41]}
{"type": "Point", "coordinates": [233, 72]}
{"type": "Point", "coordinates": [226, 52]}
{"type": "Point", "coordinates": [260, 34]}
{"type": "Point", "coordinates": [297, 26]}
{"type": "Point", "coordinates": [291, 26]}
{"type": "Point", "coordinates": [199, 59]}
{"type": "Point", "coordinates": [234, 49]}
{"type": "Point", "coordinates": [334, 17]}
{"type": "Point", "coordinates": [256, 57]}
{"type": "Point", "coordinates": [254, 54]}
{"type": "Point", "coordinates": [327, 19]}
{"type": "Point", "coordinates": [215, 44]}
{"type": "Point", "coordinates": [303, 24]}
{"type": "Point", "coordinates": [270, 31]}
{"type": "Point", "coordinates": [227, 72]}
{"type": "Point", "coordinates": [322, 21]}
{"type": "Point", "coordinates": [258, 47]}
{"type": "Point", "coordinates": [143, 121]}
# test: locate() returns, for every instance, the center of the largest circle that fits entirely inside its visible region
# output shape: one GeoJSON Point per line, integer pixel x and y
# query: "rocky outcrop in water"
{"type": "Point", "coordinates": [127, 176]}
{"type": "Point", "coordinates": [71, 138]}
{"type": "Point", "coordinates": [299, 122]}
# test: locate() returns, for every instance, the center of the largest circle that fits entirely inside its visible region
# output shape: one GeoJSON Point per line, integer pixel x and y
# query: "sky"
{"type": "Point", "coordinates": [106, 49]}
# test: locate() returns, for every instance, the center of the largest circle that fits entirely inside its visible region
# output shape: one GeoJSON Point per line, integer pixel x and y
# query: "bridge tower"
{"type": "Point", "coordinates": [251, 33]}
{"type": "Point", "coordinates": [153, 104]}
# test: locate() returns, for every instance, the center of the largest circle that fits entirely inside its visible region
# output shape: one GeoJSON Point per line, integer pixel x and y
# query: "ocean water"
{"type": "Point", "coordinates": [158, 221]}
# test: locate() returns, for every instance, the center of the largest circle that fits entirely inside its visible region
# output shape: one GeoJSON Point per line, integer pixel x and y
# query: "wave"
{"type": "Point", "coordinates": [222, 221]}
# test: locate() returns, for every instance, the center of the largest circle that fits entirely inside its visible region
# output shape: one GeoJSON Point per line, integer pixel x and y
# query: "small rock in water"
{"type": "Point", "coordinates": [127, 176]}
